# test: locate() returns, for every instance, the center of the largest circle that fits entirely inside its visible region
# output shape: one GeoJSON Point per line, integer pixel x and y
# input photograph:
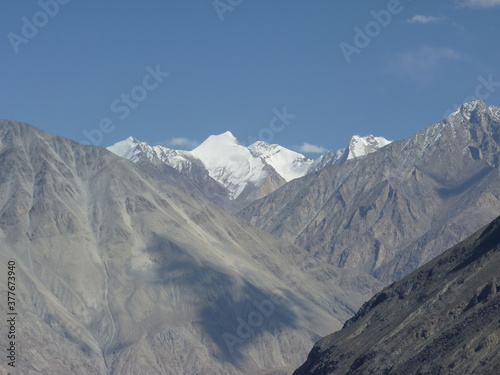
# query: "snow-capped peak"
{"type": "Point", "coordinates": [289, 164]}
{"type": "Point", "coordinates": [134, 150]}
{"type": "Point", "coordinates": [226, 160]}
{"type": "Point", "coordinates": [129, 148]}
{"type": "Point", "coordinates": [472, 106]}
{"type": "Point", "coordinates": [213, 141]}
{"type": "Point", "coordinates": [361, 146]}
{"type": "Point", "coordinates": [238, 167]}
{"type": "Point", "coordinates": [230, 163]}
{"type": "Point", "coordinates": [358, 146]}
{"type": "Point", "coordinates": [468, 108]}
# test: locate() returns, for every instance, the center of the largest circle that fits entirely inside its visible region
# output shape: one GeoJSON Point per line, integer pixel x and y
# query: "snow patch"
{"type": "Point", "coordinates": [236, 166]}
{"type": "Point", "coordinates": [362, 146]}
{"type": "Point", "coordinates": [289, 164]}
{"type": "Point", "coordinates": [230, 163]}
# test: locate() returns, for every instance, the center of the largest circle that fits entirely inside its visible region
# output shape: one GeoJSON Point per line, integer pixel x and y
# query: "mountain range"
{"type": "Point", "coordinates": [234, 175]}
{"type": "Point", "coordinates": [119, 271]}
{"type": "Point", "coordinates": [233, 259]}
{"type": "Point", "coordinates": [392, 210]}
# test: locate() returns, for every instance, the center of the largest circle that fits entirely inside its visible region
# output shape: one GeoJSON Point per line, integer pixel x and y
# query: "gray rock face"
{"type": "Point", "coordinates": [121, 272]}
{"type": "Point", "coordinates": [394, 209]}
{"type": "Point", "coordinates": [441, 319]}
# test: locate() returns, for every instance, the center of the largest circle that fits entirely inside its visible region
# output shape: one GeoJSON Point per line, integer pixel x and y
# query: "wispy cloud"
{"type": "Point", "coordinates": [422, 63]}
{"type": "Point", "coordinates": [479, 4]}
{"type": "Point", "coordinates": [418, 18]}
{"type": "Point", "coordinates": [180, 142]}
{"type": "Point", "coordinates": [312, 149]}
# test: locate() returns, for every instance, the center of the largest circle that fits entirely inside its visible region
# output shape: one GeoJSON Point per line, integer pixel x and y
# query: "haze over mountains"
{"type": "Point", "coordinates": [441, 319]}
{"type": "Point", "coordinates": [122, 272]}
{"type": "Point", "coordinates": [395, 209]}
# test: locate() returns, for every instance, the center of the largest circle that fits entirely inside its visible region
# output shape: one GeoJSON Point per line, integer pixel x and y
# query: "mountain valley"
{"type": "Point", "coordinates": [233, 259]}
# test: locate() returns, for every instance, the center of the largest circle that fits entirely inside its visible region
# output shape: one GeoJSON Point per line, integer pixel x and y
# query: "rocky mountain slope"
{"type": "Point", "coordinates": [395, 209]}
{"type": "Point", "coordinates": [441, 319]}
{"type": "Point", "coordinates": [121, 272]}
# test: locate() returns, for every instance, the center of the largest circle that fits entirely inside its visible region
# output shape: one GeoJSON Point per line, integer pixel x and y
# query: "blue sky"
{"type": "Point", "coordinates": [284, 71]}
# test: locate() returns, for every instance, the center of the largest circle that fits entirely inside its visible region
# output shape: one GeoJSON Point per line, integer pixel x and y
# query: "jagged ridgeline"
{"type": "Point", "coordinates": [136, 266]}
{"type": "Point", "coordinates": [394, 209]}
{"type": "Point", "coordinates": [231, 174]}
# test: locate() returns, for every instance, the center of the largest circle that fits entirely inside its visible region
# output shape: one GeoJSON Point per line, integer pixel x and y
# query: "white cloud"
{"type": "Point", "coordinates": [479, 4]}
{"type": "Point", "coordinates": [418, 18]}
{"type": "Point", "coordinates": [422, 63]}
{"type": "Point", "coordinates": [180, 141]}
{"type": "Point", "coordinates": [312, 149]}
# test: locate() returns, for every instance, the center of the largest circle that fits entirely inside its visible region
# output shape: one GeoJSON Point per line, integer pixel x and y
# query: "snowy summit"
{"type": "Point", "coordinates": [240, 169]}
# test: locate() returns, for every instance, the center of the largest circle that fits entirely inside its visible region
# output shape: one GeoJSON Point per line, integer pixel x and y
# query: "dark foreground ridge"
{"type": "Point", "coordinates": [441, 319]}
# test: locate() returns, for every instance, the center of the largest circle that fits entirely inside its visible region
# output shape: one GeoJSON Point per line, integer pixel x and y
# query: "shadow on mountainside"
{"type": "Point", "coordinates": [231, 310]}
